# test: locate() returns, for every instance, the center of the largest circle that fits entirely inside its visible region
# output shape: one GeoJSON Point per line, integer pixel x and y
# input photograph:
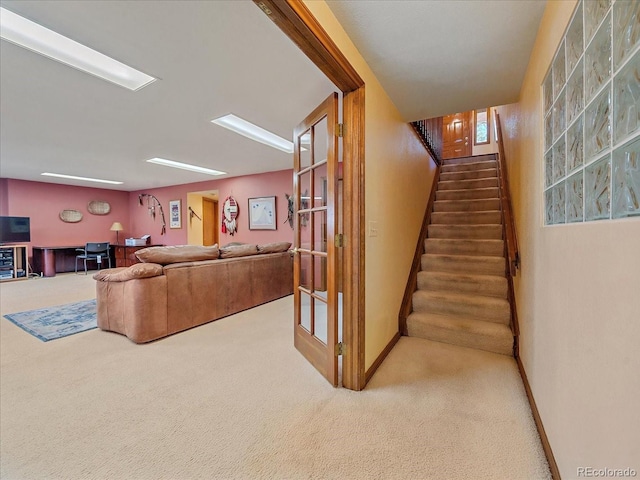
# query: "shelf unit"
{"type": "Point", "coordinates": [14, 264]}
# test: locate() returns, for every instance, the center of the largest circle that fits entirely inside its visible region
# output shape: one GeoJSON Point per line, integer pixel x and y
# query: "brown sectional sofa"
{"type": "Point", "coordinates": [147, 301]}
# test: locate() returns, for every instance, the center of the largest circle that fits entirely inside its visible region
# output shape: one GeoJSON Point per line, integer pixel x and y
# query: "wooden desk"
{"type": "Point", "coordinates": [52, 260]}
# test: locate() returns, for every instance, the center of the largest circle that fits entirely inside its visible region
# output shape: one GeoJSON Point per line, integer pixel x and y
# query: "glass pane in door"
{"type": "Point", "coordinates": [306, 306]}
{"type": "Point", "coordinates": [320, 275]}
{"type": "Point", "coordinates": [306, 271]}
{"type": "Point", "coordinates": [320, 315]}
{"type": "Point", "coordinates": [320, 231]}
{"type": "Point", "coordinates": [305, 150]}
{"type": "Point", "coordinates": [320, 141]}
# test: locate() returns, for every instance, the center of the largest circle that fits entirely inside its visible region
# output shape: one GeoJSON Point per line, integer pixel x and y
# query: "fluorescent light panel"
{"type": "Point", "coordinates": [185, 166]}
{"type": "Point", "coordinates": [254, 132]}
{"type": "Point", "coordinates": [85, 179]}
{"type": "Point", "coordinates": [30, 35]}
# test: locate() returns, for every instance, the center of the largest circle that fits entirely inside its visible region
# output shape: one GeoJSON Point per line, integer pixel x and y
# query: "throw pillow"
{"type": "Point", "coordinates": [239, 251]}
{"type": "Point", "coordinates": [275, 247]}
{"type": "Point", "coordinates": [138, 270]}
{"type": "Point", "coordinates": [177, 254]}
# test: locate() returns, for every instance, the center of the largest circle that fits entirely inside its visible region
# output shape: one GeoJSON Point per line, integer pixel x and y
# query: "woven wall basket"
{"type": "Point", "coordinates": [70, 216]}
{"type": "Point", "coordinates": [98, 207]}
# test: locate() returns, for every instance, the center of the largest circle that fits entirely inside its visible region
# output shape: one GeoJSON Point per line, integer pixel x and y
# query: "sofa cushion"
{"type": "Point", "coordinates": [233, 244]}
{"type": "Point", "coordinates": [122, 274]}
{"type": "Point", "coordinates": [177, 253]}
{"type": "Point", "coordinates": [239, 250]}
{"type": "Point", "coordinates": [275, 247]}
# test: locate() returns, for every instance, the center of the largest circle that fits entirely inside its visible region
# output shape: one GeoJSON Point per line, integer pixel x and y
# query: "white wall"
{"type": "Point", "coordinates": [578, 297]}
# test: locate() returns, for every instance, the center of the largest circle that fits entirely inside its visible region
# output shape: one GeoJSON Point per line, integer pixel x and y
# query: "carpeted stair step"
{"type": "Point", "coordinates": [468, 194]}
{"type": "Point", "coordinates": [488, 285]}
{"type": "Point", "coordinates": [465, 167]}
{"type": "Point", "coordinates": [474, 159]}
{"type": "Point", "coordinates": [491, 337]}
{"type": "Point", "coordinates": [468, 175]}
{"type": "Point", "coordinates": [482, 204]}
{"type": "Point", "coordinates": [471, 264]}
{"type": "Point", "coordinates": [465, 231]}
{"type": "Point", "coordinates": [466, 218]}
{"type": "Point", "coordinates": [468, 184]}
{"type": "Point", "coordinates": [480, 307]}
{"type": "Point", "coordinates": [450, 246]}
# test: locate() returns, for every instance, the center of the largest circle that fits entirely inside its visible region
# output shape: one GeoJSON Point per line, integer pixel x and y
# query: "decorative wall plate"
{"type": "Point", "coordinates": [229, 215]}
{"type": "Point", "coordinates": [70, 216]}
{"type": "Point", "coordinates": [98, 207]}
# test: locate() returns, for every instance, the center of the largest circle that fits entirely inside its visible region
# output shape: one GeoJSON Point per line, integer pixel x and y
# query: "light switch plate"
{"type": "Point", "coordinates": [373, 229]}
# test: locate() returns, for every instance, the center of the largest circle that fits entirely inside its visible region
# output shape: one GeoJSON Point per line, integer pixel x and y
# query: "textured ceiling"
{"type": "Point", "coordinates": [219, 57]}
{"type": "Point", "coordinates": [211, 58]}
{"type": "Point", "coordinates": [443, 56]}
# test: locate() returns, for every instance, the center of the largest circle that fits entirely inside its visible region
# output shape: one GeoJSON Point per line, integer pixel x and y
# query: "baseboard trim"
{"type": "Point", "coordinates": [372, 369]}
{"type": "Point", "coordinates": [546, 446]}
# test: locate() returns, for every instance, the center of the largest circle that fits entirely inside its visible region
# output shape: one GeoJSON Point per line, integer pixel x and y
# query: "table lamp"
{"type": "Point", "coordinates": [116, 227]}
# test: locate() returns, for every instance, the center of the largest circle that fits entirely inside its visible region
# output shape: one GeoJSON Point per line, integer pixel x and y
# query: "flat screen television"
{"type": "Point", "coordinates": [15, 230]}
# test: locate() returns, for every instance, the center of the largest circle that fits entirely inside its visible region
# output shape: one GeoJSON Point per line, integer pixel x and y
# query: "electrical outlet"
{"type": "Point", "coordinates": [373, 229]}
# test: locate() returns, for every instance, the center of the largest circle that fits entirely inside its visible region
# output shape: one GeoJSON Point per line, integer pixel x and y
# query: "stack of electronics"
{"type": "Point", "coordinates": [6, 263]}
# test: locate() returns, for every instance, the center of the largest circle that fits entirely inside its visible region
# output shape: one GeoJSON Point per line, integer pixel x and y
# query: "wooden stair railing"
{"type": "Point", "coordinates": [512, 251]}
{"type": "Point", "coordinates": [430, 133]}
{"type": "Point", "coordinates": [511, 236]}
{"type": "Point", "coordinates": [412, 282]}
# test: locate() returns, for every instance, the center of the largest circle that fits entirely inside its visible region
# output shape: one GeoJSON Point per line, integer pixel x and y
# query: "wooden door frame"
{"type": "Point", "coordinates": [298, 23]}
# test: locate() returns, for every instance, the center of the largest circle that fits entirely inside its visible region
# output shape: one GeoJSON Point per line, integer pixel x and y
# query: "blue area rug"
{"type": "Point", "coordinates": [57, 322]}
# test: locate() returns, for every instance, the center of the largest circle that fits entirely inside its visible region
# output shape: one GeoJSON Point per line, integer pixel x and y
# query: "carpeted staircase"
{"type": "Point", "coordinates": [462, 288]}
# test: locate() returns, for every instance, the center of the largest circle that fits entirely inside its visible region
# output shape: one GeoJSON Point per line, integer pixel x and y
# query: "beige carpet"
{"type": "Point", "coordinates": [234, 400]}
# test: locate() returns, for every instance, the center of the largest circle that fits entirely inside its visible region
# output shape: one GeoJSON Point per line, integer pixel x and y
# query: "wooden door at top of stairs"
{"type": "Point", "coordinates": [315, 288]}
{"type": "Point", "coordinates": [456, 130]}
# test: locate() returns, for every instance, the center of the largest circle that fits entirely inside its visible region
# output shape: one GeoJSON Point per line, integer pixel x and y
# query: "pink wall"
{"type": "Point", "coordinates": [43, 202]}
{"type": "Point", "coordinates": [241, 188]}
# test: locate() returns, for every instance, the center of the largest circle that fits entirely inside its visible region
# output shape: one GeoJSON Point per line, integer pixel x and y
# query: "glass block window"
{"type": "Point", "coordinates": [591, 103]}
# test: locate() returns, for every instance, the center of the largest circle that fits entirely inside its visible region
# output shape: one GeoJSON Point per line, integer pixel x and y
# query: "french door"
{"type": "Point", "coordinates": [315, 264]}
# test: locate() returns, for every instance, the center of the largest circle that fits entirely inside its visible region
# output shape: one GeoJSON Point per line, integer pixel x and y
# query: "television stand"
{"type": "Point", "coordinates": [14, 264]}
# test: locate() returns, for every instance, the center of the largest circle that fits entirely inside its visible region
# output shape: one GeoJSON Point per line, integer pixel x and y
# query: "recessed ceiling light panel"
{"type": "Point", "coordinates": [254, 132]}
{"type": "Point", "coordinates": [30, 35]}
{"type": "Point", "coordinates": [185, 166]}
{"type": "Point", "coordinates": [84, 179]}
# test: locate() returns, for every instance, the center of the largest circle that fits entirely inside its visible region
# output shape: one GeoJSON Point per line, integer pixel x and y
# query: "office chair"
{"type": "Point", "coordinates": [94, 252]}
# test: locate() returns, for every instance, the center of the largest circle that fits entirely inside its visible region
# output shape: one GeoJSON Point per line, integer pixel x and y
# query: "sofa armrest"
{"type": "Point", "coordinates": [136, 271]}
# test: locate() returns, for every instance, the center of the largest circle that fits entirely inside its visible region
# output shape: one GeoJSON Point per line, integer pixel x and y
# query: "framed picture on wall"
{"type": "Point", "coordinates": [175, 217]}
{"type": "Point", "coordinates": [262, 213]}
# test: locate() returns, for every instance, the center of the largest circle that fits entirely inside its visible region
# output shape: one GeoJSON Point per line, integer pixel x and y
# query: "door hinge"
{"type": "Point", "coordinates": [340, 348]}
{"type": "Point", "coordinates": [339, 240]}
{"type": "Point", "coordinates": [340, 129]}
{"type": "Point", "coordinates": [264, 8]}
